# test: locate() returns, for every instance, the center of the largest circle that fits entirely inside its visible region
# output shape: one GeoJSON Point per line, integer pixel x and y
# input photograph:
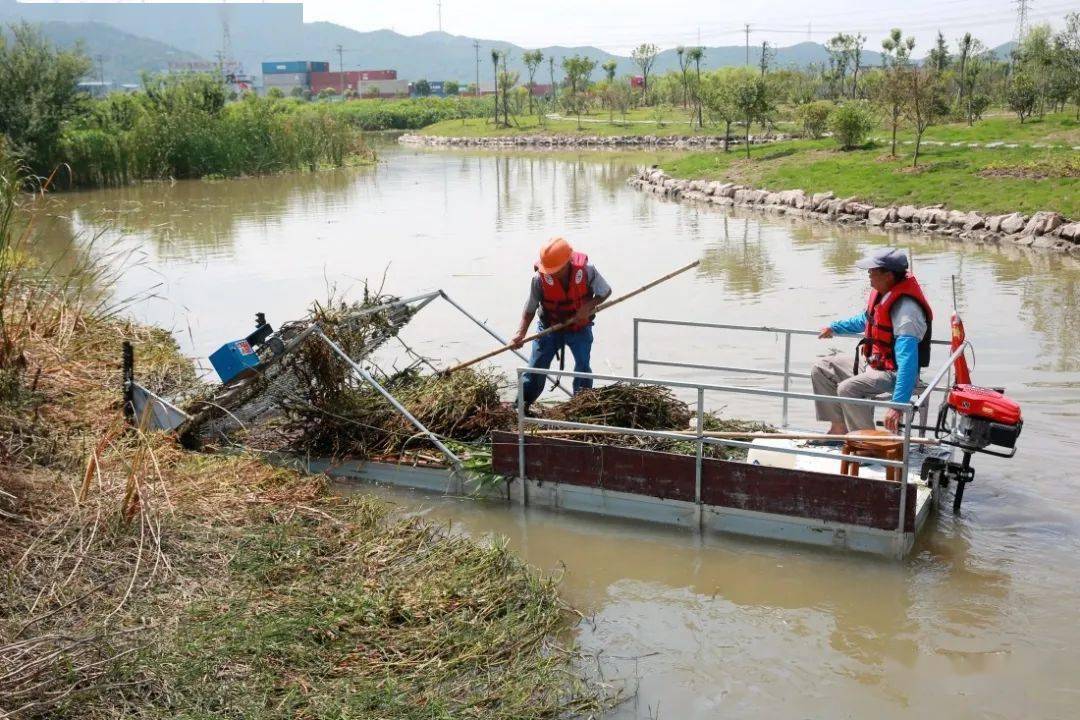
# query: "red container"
{"type": "Point", "coordinates": [984, 403]}
{"type": "Point", "coordinates": [353, 79]}
{"type": "Point", "coordinates": [376, 74]}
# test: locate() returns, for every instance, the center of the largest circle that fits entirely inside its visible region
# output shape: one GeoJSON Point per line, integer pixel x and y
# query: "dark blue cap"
{"type": "Point", "coordinates": [891, 259]}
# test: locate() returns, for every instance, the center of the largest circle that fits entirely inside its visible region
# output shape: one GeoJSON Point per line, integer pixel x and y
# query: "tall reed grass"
{"type": "Point", "coordinates": [182, 128]}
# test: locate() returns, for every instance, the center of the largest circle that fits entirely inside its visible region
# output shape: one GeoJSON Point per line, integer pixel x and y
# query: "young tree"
{"type": "Point", "coordinates": [858, 41]}
{"type": "Point", "coordinates": [921, 88]}
{"type": "Point", "coordinates": [450, 87]}
{"type": "Point", "coordinates": [623, 98]}
{"type": "Point", "coordinates": [578, 69]}
{"type": "Point", "coordinates": [1068, 42]}
{"type": "Point", "coordinates": [767, 55]}
{"type": "Point", "coordinates": [752, 102]}
{"type": "Point", "coordinates": [939, 58]}
{"type": "Point", "coordinates": [422, 88]}
{"type": "Point", "coordinates": [532, 60]}
{"type": "Point", "coordinates": [696, 55]}
{"type": "Point", "coordinates": [839, 49]}
{"type": "Point", "coordinates": [609, 89]}
{"type": "Point", "coordinates": [964, 46]}
{"type": "Point", "coordinates": [644, 55]}
{"type": "Point", "coordinates": [554, 85]}
{"type": "Point", "coordinates": [495, 55]}
{"type": "Point", "coordinates": [680, 53]}
{"type": "Point", "coordinates": [718, 95]}
{"type": "Point", "coordinates": [896, 57]}
{"type": "Point", "coordinates": [507, 80]}
{"type": "Point", "coordinates": [1023, 96]}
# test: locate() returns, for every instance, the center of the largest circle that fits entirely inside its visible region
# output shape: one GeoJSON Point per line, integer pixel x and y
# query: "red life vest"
{"type": "Point", "coordinates": [559, 304]}
{"type": "Point", "coordinates": [877, 347]}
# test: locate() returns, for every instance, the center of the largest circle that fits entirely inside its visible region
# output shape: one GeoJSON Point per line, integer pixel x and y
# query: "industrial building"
{"type": "Point", "coordinates": [364, 83]}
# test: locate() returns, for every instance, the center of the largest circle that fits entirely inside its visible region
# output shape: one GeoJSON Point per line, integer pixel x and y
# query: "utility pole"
{"type": "Point", "coordinates": [476, 47]}
{"type": "Point", "coordinates": [101, 71]}
{"type": "Point", "coordinates": [341, 70]}
{"type": "Point", "coordinates": [747, 44]}
{"type": "Point", "coordinates": [438, 4]}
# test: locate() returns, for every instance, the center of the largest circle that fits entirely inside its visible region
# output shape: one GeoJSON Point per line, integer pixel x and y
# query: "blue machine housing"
{"type": "Point", "coordinates": [233, 359]}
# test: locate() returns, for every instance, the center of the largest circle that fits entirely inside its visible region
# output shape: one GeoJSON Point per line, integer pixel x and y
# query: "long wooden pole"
{"type": "Point", "coordinates": [748, 435]}
{"type": "Point", "coordinates": [568, 323]}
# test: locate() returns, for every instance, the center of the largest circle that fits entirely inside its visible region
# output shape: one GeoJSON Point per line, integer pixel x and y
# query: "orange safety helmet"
{"type": "Point", "coordinates": [554, 255]}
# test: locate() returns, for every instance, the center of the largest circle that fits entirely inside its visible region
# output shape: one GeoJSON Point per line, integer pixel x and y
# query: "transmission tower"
{"type": "Point", "coordinates": [1021, 18]}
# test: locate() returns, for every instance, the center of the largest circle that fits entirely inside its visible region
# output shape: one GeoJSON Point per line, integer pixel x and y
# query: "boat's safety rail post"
{"type": "Point", "coordinates": [699, 436]}
{"type": "Point", "coordinates": [367, 377]}
{"type": "Point", "coordinates": [786, 374]}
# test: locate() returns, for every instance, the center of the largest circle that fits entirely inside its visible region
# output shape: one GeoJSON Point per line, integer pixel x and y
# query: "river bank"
{"type": "Point", "coordinates": [1043, 229]}
{"type": "Point", "coordinates": [543, 141]}
{"type": "Point", "coordinates": [141, 577]}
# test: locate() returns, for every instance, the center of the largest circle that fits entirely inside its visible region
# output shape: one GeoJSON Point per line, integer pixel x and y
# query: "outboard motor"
{"type": "Point", "coordinates": [973, 419]}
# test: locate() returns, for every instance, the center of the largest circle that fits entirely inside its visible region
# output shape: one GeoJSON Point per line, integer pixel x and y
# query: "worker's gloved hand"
{"type": "Point", "coordinates": [892, 421]}
{"type": "Point", "coordinates": [517, 341]}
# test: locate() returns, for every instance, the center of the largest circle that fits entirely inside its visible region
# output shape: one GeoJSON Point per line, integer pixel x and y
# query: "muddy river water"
{"type": "Point", "coordinates": [982, 621]}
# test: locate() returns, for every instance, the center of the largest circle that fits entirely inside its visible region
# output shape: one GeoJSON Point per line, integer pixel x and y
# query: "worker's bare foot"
{"type": "Point", "coordinates": [837, 428]}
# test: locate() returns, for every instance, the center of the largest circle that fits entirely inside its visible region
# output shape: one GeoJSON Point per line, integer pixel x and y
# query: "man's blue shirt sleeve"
{"type": "Point", "coordinates": [854, 325]}
{"type": "Point", "coordinates": [906, 351]}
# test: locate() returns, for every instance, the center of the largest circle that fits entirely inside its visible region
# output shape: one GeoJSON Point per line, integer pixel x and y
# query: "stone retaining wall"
{"type": "Point", "coordinates": [676, 142]}
{"type": "Point", "coordinates": [1042, 230]}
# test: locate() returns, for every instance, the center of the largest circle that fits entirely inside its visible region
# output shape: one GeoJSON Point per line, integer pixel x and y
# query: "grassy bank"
{"type": "Point", "coordinates": [641, 121]}
{"type": "Point", "coordinates": [142, 579]}
{"type": "Point", "coordinates": [990, 180]}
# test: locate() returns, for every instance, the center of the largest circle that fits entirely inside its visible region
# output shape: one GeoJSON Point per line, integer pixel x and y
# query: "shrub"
{"type": "Point", "coordinates": [850, 123]}
{"type": "Point", "coordinates": [814, 117]}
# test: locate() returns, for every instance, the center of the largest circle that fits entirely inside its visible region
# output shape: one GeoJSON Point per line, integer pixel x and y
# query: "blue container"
{"type": "Point", "coordinates": [233, 359]}
{"type": "Point", "coordinates": [293, 66]}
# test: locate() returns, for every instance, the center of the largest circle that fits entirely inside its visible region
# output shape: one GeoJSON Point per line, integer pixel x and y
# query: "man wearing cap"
{"type": "Point", "coordinates": [896, 330]}
{"type": "Point", "coordinates": [565, 288]}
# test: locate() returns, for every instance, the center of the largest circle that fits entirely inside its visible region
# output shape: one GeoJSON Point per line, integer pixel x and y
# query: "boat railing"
{"type": "Point", "coordinates": [786, 374]}
{"type": "Point", "coordinates": [701, 439]}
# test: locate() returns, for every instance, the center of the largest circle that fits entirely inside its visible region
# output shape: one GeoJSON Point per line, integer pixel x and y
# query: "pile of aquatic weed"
{"type": "Point", "coordinates": [464, 406]}
{"type": "Point", "coordinates": [647, 407]}
{"type": "Point", "coordinates": [170, 584]}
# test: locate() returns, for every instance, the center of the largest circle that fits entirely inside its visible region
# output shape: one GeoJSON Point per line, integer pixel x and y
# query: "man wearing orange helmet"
{"type": "Point", "coordinates": [565, 288]}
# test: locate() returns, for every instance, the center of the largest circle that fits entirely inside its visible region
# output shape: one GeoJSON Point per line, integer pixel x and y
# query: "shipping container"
{"type": "Point", "coordinates": [353, 79]}
{"type": "Point", "coordinates": [294, 66]}
{"type": "Point", "coordinates": [377, 74]}
{"type": "Point", "coordinates": [283, 79]}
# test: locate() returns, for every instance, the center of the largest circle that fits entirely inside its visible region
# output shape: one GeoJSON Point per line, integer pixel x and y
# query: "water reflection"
{"type": "Point", "coordinates": [741, 258]}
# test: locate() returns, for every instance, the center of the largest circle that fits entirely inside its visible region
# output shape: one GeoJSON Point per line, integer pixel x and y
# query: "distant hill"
{"type": "Point", "coordinates": [123, 56]}
{"type": "Point", "coordinates": [441, 56]}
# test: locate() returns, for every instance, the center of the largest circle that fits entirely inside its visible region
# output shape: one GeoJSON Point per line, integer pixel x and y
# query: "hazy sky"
{"type": "Point", "coordinates": [618, 26]}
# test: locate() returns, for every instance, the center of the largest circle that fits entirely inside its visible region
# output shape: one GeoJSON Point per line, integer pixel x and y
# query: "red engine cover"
{"type": "Point", "coordinates": [984, 403]}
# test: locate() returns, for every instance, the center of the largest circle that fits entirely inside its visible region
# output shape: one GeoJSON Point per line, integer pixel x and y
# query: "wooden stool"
{"type": "Point", "coordinates": [869, 443]}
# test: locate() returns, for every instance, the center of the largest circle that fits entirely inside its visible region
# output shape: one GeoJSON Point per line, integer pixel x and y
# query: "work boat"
{"type": "Point", "coordinates": [870, 492]}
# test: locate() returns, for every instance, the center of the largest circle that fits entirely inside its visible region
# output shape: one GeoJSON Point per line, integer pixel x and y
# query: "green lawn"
{"type": "Point", "coordinates": [945, 175]}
